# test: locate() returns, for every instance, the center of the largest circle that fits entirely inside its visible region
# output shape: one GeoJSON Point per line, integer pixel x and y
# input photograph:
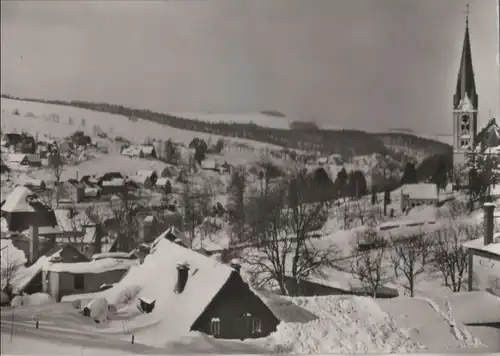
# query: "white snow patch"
{"type": "Point", "coordinates": [345, 325]}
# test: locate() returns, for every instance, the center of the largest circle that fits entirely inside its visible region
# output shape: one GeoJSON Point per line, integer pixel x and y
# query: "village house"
{"type": "Point", "coordinates": [34, 184]}
{"type": "Point", "coordinates": [113, 186]}
{"type": "Point", "coordinates": [487, 247]}
{"type": "Point", "coordinates": [30, 279]}
{"type": "Point", "coordinates": [338, 285]}
{"type": "Point", "coordinates": [149, 228]}
{"type": "Point", "coordinates": [23, 208]}
{"type": "Point", "coordinates": [209, 165]}
{"type": "Point", "coordinates": [28, 160]}
{"type": "Point", "coordinates": [60, 279]}
{"type": "Point", "coordinates": [73, 190]}
{"type": "Point", "coordinates": [142, 151]}
{"type": "Point", "coordinates": [413, 195]}
{"type": "Point", "coordinates": [11, 139]}
{"type": "Point", "coordinates": [198, 292]}
{"type": "Point", "coordinates": [163, 184]}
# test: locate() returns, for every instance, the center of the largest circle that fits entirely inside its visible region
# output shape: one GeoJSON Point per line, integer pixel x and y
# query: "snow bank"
{"type": "Point", "coordinates": [99, 309]}
{"type": "Point", "coordinates": [460, 332]}
{"type": "Point", "coordinates": [345, 325]}
{"type": "Point", "coordinates": [33, 299]}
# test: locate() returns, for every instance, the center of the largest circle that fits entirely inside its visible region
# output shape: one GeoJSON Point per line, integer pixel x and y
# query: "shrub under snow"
{"type": "Point", "coordinates": [33, 299]}
{"type": "Point", "coordinates": [345, 325]}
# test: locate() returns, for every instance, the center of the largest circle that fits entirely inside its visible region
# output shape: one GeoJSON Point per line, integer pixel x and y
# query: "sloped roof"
{"type": "Point", "coordinates": [157, 278]}
{"type": "Point", "coordinates": [172, 234]}
{"type": "Point", "coordinates": [17, 201]}
{"type": "Point", "coordinates": [478, 244]}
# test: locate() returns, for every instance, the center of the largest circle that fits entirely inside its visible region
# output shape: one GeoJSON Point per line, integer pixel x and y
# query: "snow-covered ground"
{"type": "Point", "coordinates": [270, 121]}
{"type": "Point", "coordinates": [113, 125]}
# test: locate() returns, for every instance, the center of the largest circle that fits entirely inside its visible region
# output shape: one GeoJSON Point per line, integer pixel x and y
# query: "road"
{"type": "Point", "coordinates": [75, 338]}
{"type": "Point", "coordinates": [113, 343]}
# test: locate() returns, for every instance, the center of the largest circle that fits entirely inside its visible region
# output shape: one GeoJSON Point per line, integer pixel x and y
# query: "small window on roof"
{"type": "Point", "coordinates": [215, 326]}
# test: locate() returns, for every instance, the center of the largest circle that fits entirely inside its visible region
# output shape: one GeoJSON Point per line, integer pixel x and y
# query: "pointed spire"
{"type": "Point", "coordinates": [466, 85]}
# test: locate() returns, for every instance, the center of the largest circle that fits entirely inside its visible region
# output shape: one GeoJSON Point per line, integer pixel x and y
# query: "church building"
{"type": "Point", "coordinates": [465, 106]}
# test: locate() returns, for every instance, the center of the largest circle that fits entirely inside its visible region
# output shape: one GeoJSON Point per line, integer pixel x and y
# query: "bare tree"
{"type": "Point", "coordinates": [368, 265]}
{"type": "Point", "coordinates": [283, 223]}
{"type": "Point", "coordinates": [125, 213]}
{"type": "Point", "coordinates": [56, 167]}
{"type": "Point", "coordinates": [409, 257]}
{"type": "Point", "coordinates": [8, 271]}
{"type": "Point", "coordinates": [450, 256]}
{"type": "Point", "coordinates": [236, 206]}
{"type": "Point", "coordinates": [196, 205]}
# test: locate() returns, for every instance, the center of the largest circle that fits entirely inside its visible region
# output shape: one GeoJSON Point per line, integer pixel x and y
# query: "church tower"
{"type": "Point", "coordinates": [465, 104]}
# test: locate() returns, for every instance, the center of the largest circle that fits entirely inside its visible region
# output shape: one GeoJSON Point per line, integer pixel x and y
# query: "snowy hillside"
{"type": "Point", "coordinates": [60, 121]}
{"type": "Point", "coordinates": [270, 121]}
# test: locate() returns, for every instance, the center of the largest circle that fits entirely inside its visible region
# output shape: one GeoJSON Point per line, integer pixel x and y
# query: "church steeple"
{"type": "Point", "coordinates": [465, 105]}
{"type": "Point", "coordinates": [466, 84]}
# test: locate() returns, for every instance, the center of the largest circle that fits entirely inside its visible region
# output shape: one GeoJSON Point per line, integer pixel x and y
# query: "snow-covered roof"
{"type": "Point", "coordinates": [16, 157]}
{"type": "Point", "coordinates": [115, 182]}
{"type": "Point", "coordinates": [147, 149]}
{"type": "Point", "coordinates": [145, 173]}
{"type": "Point", "coordinates": [103, 255]}
{"type": "Point", "coordinates": [17, 201]}
{"type": "Point", "coordinates": [478, 244]}
{"type": "Point", "coordinates": [94, 266]}
{"type": "Point", "coordinates": [208, 164]}
{"type": "Point", "coordinates": [157, 278]}
{"type": "Point", "coordinates": [162, 181]}
{"type": "Point", "coordinates": [423, 191]}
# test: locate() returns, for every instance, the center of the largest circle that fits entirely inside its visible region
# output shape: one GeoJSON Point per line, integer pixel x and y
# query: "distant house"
{"type": "Point", "coordinates": [30, 279]}
{"type": "Point", "coordinates": [209, 164]}
{"type": "Point", "coordinates": [30, 160]}
{"type": "Point", "coordinates": [113, 186]}
{"type": "Point", "coordinates": [141, 151]}
{"type": "Point", "coordinates": [148, 151]}
{"type": "Point", "coordinates": [413, 195]}
{"type": "Point", "coordinates": [23, 208]}
{"type": "Point", "coordinates": [75, 190]}
{"type": "Point", "coordinates": [142, 181]}
{"type": "Point", "coordinates": [11, 139]}
{"type": "Point", "coordinates": [487, 247]}
{"type": "Point", "coordinates": [34, 184]}
{"type": "Point", "coordinates": [61, 279]}
{"type": "Point", "coordinates": [151, 174]}
{"type": "Point", "coordinates": [149, 228]}
{"type": "Point", "coordinates": [163, 183]}
{"type": "Point", "coordinates": [329, 281]}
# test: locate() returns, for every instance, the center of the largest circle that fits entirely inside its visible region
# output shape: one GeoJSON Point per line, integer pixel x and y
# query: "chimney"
{"type": "Point", "coordinates": [182, 277]}
{"type": "Point", "coordinates": [235, 264]}
{"type": "Point", "coordinates": [488, 223]}
{"type": "Point", "coordinates": [33, 250]}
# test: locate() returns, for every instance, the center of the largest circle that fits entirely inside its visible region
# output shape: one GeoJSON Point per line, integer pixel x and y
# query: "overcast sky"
{"type": "Point", "coordinates": [365, 64]}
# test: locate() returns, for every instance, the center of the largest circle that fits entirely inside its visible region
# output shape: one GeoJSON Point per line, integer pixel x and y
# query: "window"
{"type": "Point", "coordinates": [215, 326]}
{"type": "Point", "coordinates": [464, 143]}
{"type": "Point", "coordinates": [256, 326]}
{"type": "Point", "coordinates": [78, 281]}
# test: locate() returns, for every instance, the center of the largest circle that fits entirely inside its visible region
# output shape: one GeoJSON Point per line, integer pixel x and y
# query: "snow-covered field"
{"type": "Point", "coordinates": [274, 122]}
{"type": "Point", "coordinates": [113, 125]}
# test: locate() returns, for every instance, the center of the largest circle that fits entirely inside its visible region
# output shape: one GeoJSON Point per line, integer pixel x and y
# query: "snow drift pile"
{"type": "Point", "coordinates": [346, 325]}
